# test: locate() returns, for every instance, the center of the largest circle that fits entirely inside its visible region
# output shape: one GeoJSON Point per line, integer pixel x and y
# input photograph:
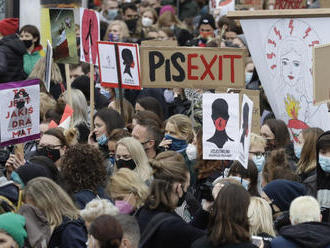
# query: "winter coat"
{"type": "Point", "coordinates": [204, 242]}
{"type": "Point", "coordinates": [308, 235]}
{"type": "Point", "coordinates": [30, 59]}
{"type": "Point", "coordinates": [174, 233]}
{"type": "Point", "coordinates": [11, 59]}
{"type": "Point", "coordinates": [70, 234]}
{"type": "Point", "coordinates": [84, 196]}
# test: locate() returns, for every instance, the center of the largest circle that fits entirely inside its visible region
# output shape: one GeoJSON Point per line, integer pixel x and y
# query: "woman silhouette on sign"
{"type": "Point", "coordinates": [245, 125]}
{"type": "Point", "coordinates": [220, 117]}
{"type": "Point", "coordinates": [128, 59]}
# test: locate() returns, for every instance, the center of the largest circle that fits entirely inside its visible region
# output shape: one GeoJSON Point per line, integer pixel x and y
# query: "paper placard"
{"type": "Point", "coordinates": [19, 115]}
{"type": "Point", "coordinates": [192, 67]}
{"type": "Point", "coordinates": [48, 70]}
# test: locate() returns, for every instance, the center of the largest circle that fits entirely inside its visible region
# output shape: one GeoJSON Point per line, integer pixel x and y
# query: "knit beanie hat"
{"type": "Point", "coordinates": [207, 19]}
{"type": "Point", "coordinates": [13, 225]}
{"type": "Point", "coordinates": [8, 26]}
{"type": "Point", "coordinates": [282, 192]}
{"type": "Point", "coordinates": [29, 171]}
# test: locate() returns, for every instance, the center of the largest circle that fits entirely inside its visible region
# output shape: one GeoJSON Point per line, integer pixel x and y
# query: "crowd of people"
{"type": "Point", "coordinates": [138, 178]}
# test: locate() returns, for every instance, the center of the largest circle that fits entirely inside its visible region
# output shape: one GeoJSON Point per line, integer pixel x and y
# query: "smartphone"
{"type": "Point", "coordinates": [257, 241]}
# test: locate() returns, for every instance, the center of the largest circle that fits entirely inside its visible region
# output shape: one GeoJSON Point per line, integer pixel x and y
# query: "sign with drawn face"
{"type": "Point", "coordinates": [282, 52]}
{"type": "Point", "coordinates": [220, 126]}
{"type": "Point", "coordinates": [19, 115]}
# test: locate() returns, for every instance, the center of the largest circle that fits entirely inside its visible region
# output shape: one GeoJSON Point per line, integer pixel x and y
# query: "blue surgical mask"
{"type": "Point", "coordinates": [297, 150]}
{"type": "Point", "coordinates": [102, 140]}
{"type": "Point", "coordinates": [245, 183]}
{"type": "Point", "coordinates": [324, 163]}
{"type": "Point", "coordinates": [177, 145]}
{"type": "Point", "coordinates": [248, 77]}
{"type": "Point", "coordinates": [114, 37]}
{"type": "Point", "coordinates": [112, 13]}
{"type": "Point", "coordinates": [259, 162]}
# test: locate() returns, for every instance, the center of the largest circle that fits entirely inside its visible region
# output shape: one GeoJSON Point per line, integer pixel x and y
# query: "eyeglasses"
{"type": "Point", "coordinates": [258, 154]}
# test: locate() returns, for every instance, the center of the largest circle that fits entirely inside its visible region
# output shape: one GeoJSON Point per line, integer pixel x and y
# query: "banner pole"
{"type": "Point", "coordinates": [92, 96]}
{"type": "Point", "coordinates": [68, 87]}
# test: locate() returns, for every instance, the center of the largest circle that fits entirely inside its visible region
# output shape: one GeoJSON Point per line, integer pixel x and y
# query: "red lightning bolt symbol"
{"type": "Point", "coordinates": [315, 42]}
{"type": "Point", "coordinates": [307, 32]}
{"type": "Point", "coordinates": [291, 26]}
{"type": "Point", "coordinates": [278, 33]}
{"type": "Point", "coordinates": [270, 55]}
{"type": "Point", "coordinates": [273, 67]}
{"type": "Point", "coordinates": [272, 42]}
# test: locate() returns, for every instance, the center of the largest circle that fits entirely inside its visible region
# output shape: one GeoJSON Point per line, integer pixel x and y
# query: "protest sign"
{"type": "Point", "coordinates": [48, 70]}
{"type": "Point", "coordinates": [158, 43]}
{"type": "Point", "coordinates": [290, 4]}
{"type": "Point", "coordinates": [249, 4]}
{"type": "Point", "coordinates": [220, 126]}
{"type": "Point", "coordinates": [321, 73]}
{"type": "Point", "coordinates": [324, 3]}
{"type": "Point", "coordinates": [89, 35]}
{"type": "Point", "coordinates": [19, 115]}
{"type": "Point", "coordinates": [281, 48]}
{"type": "Point", "coordinates": [245, 131]}
{"type": "Point", "coordinates": [119, 63]}
{"type": "Point", "coordinates": [63, 36]}
{"type": "Point", "coordinates": [192, 67]}
{"type": "Point", "coordinates": [223, 5]}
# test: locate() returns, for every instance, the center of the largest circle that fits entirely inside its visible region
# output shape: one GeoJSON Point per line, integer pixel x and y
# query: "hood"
{"type": "Point", "coordinates": [13, 43]}
{"type": "Point", "coordinates": [309, 234]}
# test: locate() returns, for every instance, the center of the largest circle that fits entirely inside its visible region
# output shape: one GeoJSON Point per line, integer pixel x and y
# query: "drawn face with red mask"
{"type": "Point", "coordinates": [206, 31]}
{"type": "Point", "coordinates": [220, 114]}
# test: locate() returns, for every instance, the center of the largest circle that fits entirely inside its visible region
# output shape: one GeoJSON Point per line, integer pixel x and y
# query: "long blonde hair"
{"type": "Point", "coordinates": [40, 68]}
{"type": "Point", "coordinates": [260, 217]}
{"type": "Point", "coordinates": [79, 106]}
{"type": "Point", "coordinates": [183, 124]}
{"type": "Point", "coordinates": [139, 156]}
{"type": "Point", "coordinates": [51, 199]}
{"type": "Point", "coordinates": [126, 181]}
{"type": "Point", "coordinates": [124, 32]}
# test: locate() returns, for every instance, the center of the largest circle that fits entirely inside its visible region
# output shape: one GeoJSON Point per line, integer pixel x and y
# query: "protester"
{"type": "Point", "coordinates": [130, 154]}
{"type": "Point", "coordinates": [131, 231]}
{"type": "Point", "coordinates": [151, 104]}
{"type": "Point", "coordinates": [12, 230]}
{"type": "Point", "coordinates": [117, 31]}
{"type": "Point", "coordinates": [127, 190]}
{"type": "Point", "coordinates": [83, 173]}
{"type": "Point", "coordinates": [61, 214]}
{"type": "Point", "coordinates": [128, 110]}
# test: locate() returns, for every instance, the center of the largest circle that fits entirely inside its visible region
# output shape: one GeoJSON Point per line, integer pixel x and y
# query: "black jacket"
{"type": "Point", "coordinates": [11, 59]}
{"type": "Point", "coordinates": [204, 242]}
{"type": "Point", "coordinates": [308, 235]}
{"type": "Point", "coordinates": [174, 233]}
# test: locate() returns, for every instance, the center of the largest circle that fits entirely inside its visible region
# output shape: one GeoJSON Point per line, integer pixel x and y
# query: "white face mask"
{"type": "Point", "coordinates": [191, 152]}
{"type": "Point", "coordinates": [146, 21]}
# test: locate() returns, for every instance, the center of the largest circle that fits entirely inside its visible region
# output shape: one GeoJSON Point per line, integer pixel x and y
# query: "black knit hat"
{"type": "Point", "coordinates": [207, 19]}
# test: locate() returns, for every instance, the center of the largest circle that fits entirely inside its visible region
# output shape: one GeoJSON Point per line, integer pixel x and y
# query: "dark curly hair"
{"type": "Point", "coordinates": [83, 167]}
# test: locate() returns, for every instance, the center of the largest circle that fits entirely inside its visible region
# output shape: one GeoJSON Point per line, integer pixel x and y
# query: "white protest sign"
{"type": "Point", "coordinates": [119, 63]}
{"type": "Point", "coordinates": [19, 115]}
{"type": "Point", "coordinates": [89, 35]}
{"type": "Point", "coordinates": [49, 60]}
{"type": "Point", "coordinates": [220, 126]}
{"type": "Point", "coordinates": [245, 132]}
{"type": "Point", "coordinates": [281, 49]}
{"type": "Point", "coordinates": [224, 6]}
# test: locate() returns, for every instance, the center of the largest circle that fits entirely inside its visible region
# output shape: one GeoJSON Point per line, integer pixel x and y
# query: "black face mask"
{"type": "Point", "coordinates": [53, 154]}
{"type": "Point", "coordinates": [131, 24]}
{"type": "Point", "coordinates": [129, 164]}
{"type": "Point", "coordinates": [27, 43]}
{"type": "Point", "coordinates": [182, 198]}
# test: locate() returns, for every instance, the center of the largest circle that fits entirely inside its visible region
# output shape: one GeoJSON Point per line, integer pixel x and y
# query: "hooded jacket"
{"type": "Point", "coordinates": [11, 59]}
{"type": "Point", "coordinates": [308, 235]}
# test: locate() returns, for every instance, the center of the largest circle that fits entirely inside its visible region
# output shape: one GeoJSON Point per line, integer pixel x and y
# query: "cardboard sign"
{"type": "Point", "coordinates": [192, 67]}
{"type": "Point", "coordinates": [19, 115]}
{"type": "Point", "coordinates": [158, 43]}
{"type": "Point", "coordinates": [48, 70]}
{"type": "Point", "coordinates": [321, 73]}
{"type": "Point", "coordinates": [324, 3]}
{"type": "Point", "coordinates": [220, 126]}
{"type": "Point", "coordinates": [249, 4]}
{"type": "Point", "coordinates": [281, 50]}
{"type": "Point", "coordinates": [119, 63]}
{"type": "Point", "coordinates": [89, 35]}
{"type": "Point", "coordinates": [245, 132]}
{"type": "Point", "coordinates": [63, 36]}
{"type": "Point", "coordinates": [290, 4]}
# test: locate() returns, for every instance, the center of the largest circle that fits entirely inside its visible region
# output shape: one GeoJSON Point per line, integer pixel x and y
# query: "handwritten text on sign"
{"type": "Point", "coordinates": [192, 67]}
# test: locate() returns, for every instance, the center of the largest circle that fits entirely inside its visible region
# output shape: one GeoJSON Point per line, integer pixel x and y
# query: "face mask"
{"type": "Point", "coordinates": [124, 207]}
{"type": "Point", "coordinates": [27, 43]}
{"type": "Point", "coordinates": [146, 21]}
{"type": "Point", "coordinates": [324, 163]}
{"type": "Point", "coordinates": [206, 35]}
{"type": "Point", "coordinates": [129, 164]}
{"type": "Point", "coordinates": [177, 144]}
{"type": "Point", "coordinates": [169, 96]}
{"type": "Point", "coordinates": [191, 152]}
{"type": "Point", "coordinates": [131, 24]}
{"type": "Point", "coordinates": [242, 181]}
{"type": "Point", "coordinates": [53, 154]}
{"type": "Point", "coordinates": [248, 76]}
{"type": "Point", "coordinates": [102, 140]}
{"type": "Point", "coordinates": [259, 162]}
{"type": "Point", "coordinates": [114, 37]}
{"type": "Point", "coordinates": [182, 198]}
{"type": "Point", "coordinates": [297, 150]}
{"type": "Point", "coordinates": [112, 13]}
